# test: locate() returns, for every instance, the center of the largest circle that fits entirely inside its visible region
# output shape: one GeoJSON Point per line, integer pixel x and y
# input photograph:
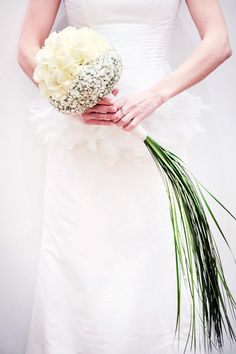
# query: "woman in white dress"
{"type": "Point", "coordinates": [106, 276]}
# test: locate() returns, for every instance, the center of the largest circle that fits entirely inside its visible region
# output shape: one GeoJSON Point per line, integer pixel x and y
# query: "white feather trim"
{"type": "Point", "coordinates": [174, 122]}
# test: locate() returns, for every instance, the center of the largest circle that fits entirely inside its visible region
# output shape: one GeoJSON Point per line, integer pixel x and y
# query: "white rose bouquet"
{"type": "Point", "coordinates": [75, 69]}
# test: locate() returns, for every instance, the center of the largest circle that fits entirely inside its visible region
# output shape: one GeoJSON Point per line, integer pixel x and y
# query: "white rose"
{"type": "Point", "coordinates": [62, 57]}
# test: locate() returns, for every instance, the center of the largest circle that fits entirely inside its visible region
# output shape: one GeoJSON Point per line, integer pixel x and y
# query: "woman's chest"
{"type": "Point", "coordinates": [99, 12]}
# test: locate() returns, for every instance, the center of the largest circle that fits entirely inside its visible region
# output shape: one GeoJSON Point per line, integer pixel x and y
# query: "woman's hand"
{"type": "Point", "coordinates": [102, 113]}
{"type": "Point", "coordinates": [126, 112]}
{"type": "Point", "coordinates": [133, 108]}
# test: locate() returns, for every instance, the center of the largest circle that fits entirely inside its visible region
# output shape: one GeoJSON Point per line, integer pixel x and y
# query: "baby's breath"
{"type": "Point", "coordinates": [94, 81]}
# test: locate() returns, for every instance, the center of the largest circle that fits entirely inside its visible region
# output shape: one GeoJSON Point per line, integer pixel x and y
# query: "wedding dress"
{"type": "Point", "coordinates": [106, 281]}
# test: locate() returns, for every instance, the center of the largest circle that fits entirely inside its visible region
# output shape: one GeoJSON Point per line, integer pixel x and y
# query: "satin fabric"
{"type": "Point", "coordinates": [106, 281]}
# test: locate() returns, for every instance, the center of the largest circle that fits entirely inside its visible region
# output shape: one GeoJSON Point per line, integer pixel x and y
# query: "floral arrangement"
{"type": "Point", "coordinates": [75, 69]}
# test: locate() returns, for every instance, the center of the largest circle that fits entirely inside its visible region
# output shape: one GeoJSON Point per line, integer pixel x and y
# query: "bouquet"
{"type": "Point", "coordinates": [75, 69]}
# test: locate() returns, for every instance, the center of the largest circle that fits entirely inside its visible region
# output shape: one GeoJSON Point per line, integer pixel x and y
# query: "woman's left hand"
{"type": "Point", "coordinates": [127, 111]}
{"type": "Point", "coordinates": [133, 108]}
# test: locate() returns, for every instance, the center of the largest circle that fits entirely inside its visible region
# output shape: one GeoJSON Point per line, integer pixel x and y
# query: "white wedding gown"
{"type": "Point", "coordinates": [106, 281]}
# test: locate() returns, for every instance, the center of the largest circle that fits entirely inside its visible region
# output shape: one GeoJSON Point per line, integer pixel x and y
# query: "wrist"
{"type": "Point", "coordinates": [161, 92]}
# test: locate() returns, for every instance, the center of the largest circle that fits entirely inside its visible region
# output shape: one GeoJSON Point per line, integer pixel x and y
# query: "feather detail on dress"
{"type": "Point", "coordinates": [173, 123]}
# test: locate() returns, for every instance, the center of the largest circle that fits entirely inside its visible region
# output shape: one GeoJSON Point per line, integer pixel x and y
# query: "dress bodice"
{"type": "Point", "coordinates": [140, 30]}
{"type": "Point", "coordinates": [121, 12]}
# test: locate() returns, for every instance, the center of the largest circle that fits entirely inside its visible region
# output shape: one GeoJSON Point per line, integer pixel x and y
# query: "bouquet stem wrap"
{"type": "Point", "coordinates": [196, 252]}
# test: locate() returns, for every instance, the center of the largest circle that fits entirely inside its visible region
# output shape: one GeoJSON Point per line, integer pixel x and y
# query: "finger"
{"type": "Point", "coordinates": [99, 122]}
{"type": "Point", "coordinates": [107, 100]}
{"type": "Point", "coordinates": [115, 91]}
{"type": "Point", "coordinates": [120, 102]}
{"type": "Point", "coordinates": [125, 120]}
{"type": "Point", "coordinates": [99, 108]}
{"type": "Point", "coordinates": [98, 116]}
{"type": "Point", "coordinates": [133, 123]}
{"type": "Point", "coordinates": [117, 116]}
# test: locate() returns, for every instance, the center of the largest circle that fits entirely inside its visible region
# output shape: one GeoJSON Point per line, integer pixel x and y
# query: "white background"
{"type": "Point", "coordinates": [22, 156]}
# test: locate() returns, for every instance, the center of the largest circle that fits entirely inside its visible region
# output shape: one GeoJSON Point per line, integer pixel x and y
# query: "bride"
{"type": "Point", "coordinates": [106, 275]}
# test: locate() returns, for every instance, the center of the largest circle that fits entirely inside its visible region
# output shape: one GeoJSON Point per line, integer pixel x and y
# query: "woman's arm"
{"type": "Point", "coordinates": [213, 50]}
{"type": "Point", "coordinates": [38, 21]}
{"type": "Point", "coordinates": [39, 18]}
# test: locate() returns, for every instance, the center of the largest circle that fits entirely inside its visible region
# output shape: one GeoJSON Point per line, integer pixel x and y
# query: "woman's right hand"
{"type": "Point", "coordinates": [96, 115]}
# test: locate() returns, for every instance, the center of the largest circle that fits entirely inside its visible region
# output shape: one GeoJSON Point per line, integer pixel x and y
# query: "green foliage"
{"type": "Point", "coordinates": [196, 253]}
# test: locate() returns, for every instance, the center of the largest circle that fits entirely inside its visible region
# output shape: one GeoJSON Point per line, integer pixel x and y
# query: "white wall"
{"type": "Point", "coordinates": [21, 178]}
